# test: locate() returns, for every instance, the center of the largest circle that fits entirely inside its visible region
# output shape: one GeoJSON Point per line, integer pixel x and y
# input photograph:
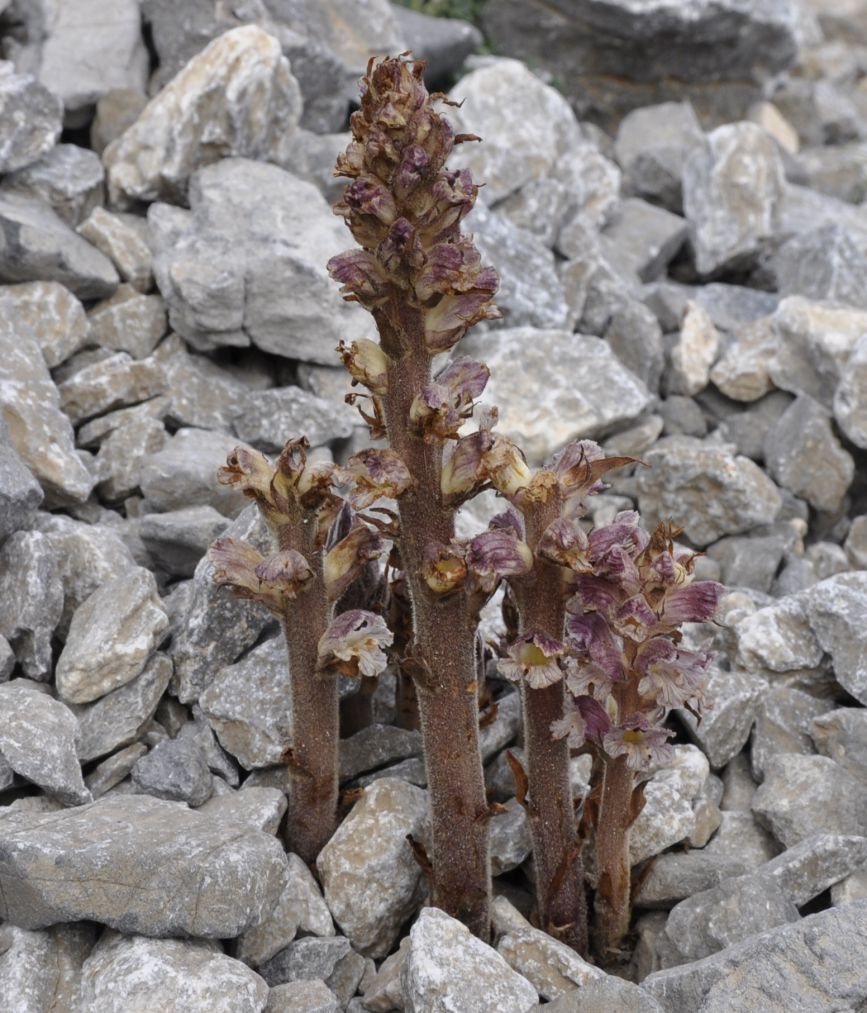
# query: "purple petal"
{"type": "Point", "coordinates": [692, 603]}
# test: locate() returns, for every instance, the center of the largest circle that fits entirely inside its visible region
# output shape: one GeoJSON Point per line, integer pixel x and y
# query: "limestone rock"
{"type": "Point", "coordinates": [825, 263]}
{"type": "Point", "coordinates": [308, 995]}
{"type": "Point", "coordinates": [129, 322]}
{"type": "Point", "coordinates": [118, 463]}
{"type": "Point", "coordinates": [140, 865]}
{"type": "Point", "coordinates": [732, 188]}
{"type": "Point", "coordinates": [235, 98]}
{"type": "Point", "coordinates": [369, 876]}
{"type": "Point", "coordinates": [175, 769]}
{"type": "Point", "coordinates": [50, 314]}
{"type": "Point", "coordinates": [836, 608]}
{"type": "Point", "coordinates": [177, 539]}
{"type": "Point", "coordinates": [842, 735]}
{"type": "Point", "coordinates": [67, 177]}
{"type": "Point", "coordinates": [247, 264]}
{"type": "Point", "coordinates": [113, 382]}
{"type": "Point", "coordinates": [331, 960]}
{"type": "Point", "coordinates": [32, 118]}
{"type": "Point", "coordinates": [131, 973]}
{"type": "Point", "coordinates": [850, 400]}
{"type": "Point", "coordinates": [123, 238]}
{"type": "Point", "coordinates": [38, 739]}
{"type": "Point", "coordinates": [551, 967]}
{"type": "Point", "coordinates": [695, 351]}
{"type": "Point", "coordinates": [20, 493]}
{"type": "Point", "coordinates": [448, 969]}
{"type": "Point", "coordinates": [642, 238]}
{"type": "Point", "coordinates": [268, 418]}
{"type": "Point", "coordinates": [783, 721]}
{"type": "Point", "coordinates": [41, 970]}
{"type": "Point", "coordinates": [111, 638]}
{"type": "Point", "coordinates": [113, 769]}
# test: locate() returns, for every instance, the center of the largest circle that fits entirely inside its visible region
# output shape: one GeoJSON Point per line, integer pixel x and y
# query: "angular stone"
{"type": "Point", "coordinates": [825, 263]}
{"type": "Point", "coordinates": [783, 720]}
{"type": "Point", "coordinates": [38, 429]}
{"type": "Point", "coordinates": [730, 306]}
{"type": "Point", "coordinates": [497, 97]}
{"type": "Point", "coordinates": [376, 746]}
{"type": "Point", "coordinates": [850, 399]}
{"type": "Point", "coordinates": [753, 561]}
{"type": "Point", "coordinates": [497, 734]}
{"type": "Point", "coordinates": [113, 382]}
{"type": "Point", "coordinates": [842, 735]}
{"type": "Point", "coordinates": [634, 335]}
{"type": "Point", "coordinates": [175, 769]}
{"type": "Point", "coordinates": [32, 118]}
{"type": "Point", "coordinates": [137, 864]}
{"type": "Point", "coordinates": [652, 146]}
{"type": "Point", "coordinates": [550, 966]}
{"type": "Point", "coordinates": [177, 539]}
{"type": "Point", "coordinates": [694, 352]}
{"type": "Point", "coordinates": [50, 314]}
{"type": "Point", "coordinates": [234, 273]}
{"type": "Point", "coordinates": [118, 463]}
{"type": "Point", "coordinates": [813, 963]}
{"type": "Point", "coordinates": [129, 322]}
{"type": "Point", "coordinates": [37, 245]}
{"type": "Point", "coordinates": [605, 994]}
{"type": "Point", "coordinates": [443, 43]}
{"type": "Point", "coordinates": [448, 969]}
{"type": "Point", "coordinates": [268, 418]}
{"type": "Point", "coordinates": [7, 659]}
{"type": "Point", "coordinates": [836, 608]}
{"type": "Point", "coordinates": [211, 628]}
{"type": "Point", "coordinates": [20, 493]}
{"type": "Point", "coordinates": [369, 876]}
{"type": "Point", "coordinates": [300, 908]}
{"type": "Point", "coordinates": [729, 220]}
{"type": "Point", "coordinates": [41, 970]}
{"type": "Point", "coordinates": [200, 393]}
{"type": "Point", "coordinates": [511, 841]}
{"type": "Point", "coordinates": [248, 706]}
{"type": "Point", "coordinates": [570, 386]}
{"type": "Point", "coordinates": [705, 488]}
{"type": "Point", "coordinates": [330, 960]}
{"type": "Point", "coordinates": [252, 809]}
{"type": "Point", "coordinates": [112, 770]}
{"type": "Point", "coordinates": [68, 177]}
{"type": "Point", "coordinates": [123, 238]}
{"type": "Point", "coordinates": [184, 474]}
{"type": "Point", "coordinates": [124, 971]}
{"type": "Point", "coordinates": [31, 600]}
{"type": "Point", "coordinates": [643, 238]}
{"type": "Point", "coordinates": [804, 795]}
{"type": "Point", "coordinates": [111, 638]}
{"type": "Point", "coordinates": [116, 111]}
{"type": "Point", "coordinates": [38, 739]}
{"type": "Point", "coordinates": [257, 108]}
{"type": "Point", "coordinates": [305, 996]}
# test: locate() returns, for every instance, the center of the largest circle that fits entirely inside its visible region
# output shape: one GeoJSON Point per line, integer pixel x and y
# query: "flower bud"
{"type": "Point", "coordinates": [345, 561]}
{"type": "Point", "coordinates": [252, 473]}
{"type": "Point", "coordinates": [352, 644]}
{"type": "Point", "coordinates": [360, 276]}
{"type": "Point", "coordinates": [564, 542]}
{"type": "Point", "coordinates": [495, 554]}
{"type": "Point", "coordinates": [507, 467]}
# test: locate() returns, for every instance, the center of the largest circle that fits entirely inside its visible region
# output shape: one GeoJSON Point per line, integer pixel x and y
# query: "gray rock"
{"type": "Point", "coordinates": [211, 628]}
{"type": "Point", "coordinates": [511, 840]}
{"type": "Point", "coordinates": [570, 386]}
{"type": "Point", "coordinates": [693, 352]}
{"type": "Point", "coordinates": [803, 455]}
{"type": "Point", "coordinates": [175, 769]}
{"type": "Point", "coordinates": [495, 735]}
{"type": "Point", "coordinates": [7, 659]}
{"type": "Point", "coordinates": [812, 964]}
{"type": "Point", "coordinates": [836, 608]}
{"type": "Point", "coordinates": [550, 966]}
{"type": "Point", "coordinates": [804, 795]}
{"type": "Point", "coordinates": [443, 43]}
{"type": "Point", "coordinates": [842, 735]}
{"type": "Point", "coordinates": [113, 382]}
{"type": "Point", "coordinates": [643, 238]}
{"type": "Point", "coordinates": [850, 401]}
{"type": "Point", "coordinates": [448, 969]}
{"type": "Point", "coordinates": [218, 760]}
{"type": "Point", "coordinates": [138, 864]}
{"type": "Point", "coordinates": [50, 315]}
{"type": "Point", "coordinates": [118, 463]}
{"type": "Point", "coordinates": [300, 908]}
{"type": "Point", "coordinates": [634, 335]}
{"type": "Point", "coordinates": [730, 221]}
{"type": "Point", "coordinates": [20, 493]}
{"type": "Point", "coordinates": [698, 49]}
{"type": "Point", "coordinates": [530, 292]}
{"type": "Point", "coordinates": [824, 263]}
{"type": "Point", "coordinates": [111, 638]}
{"type": "Point", "coordinates": [41, 970]}
{"type": "Point", "coordinates": [37, 245]}
{"type": "Point", "coordinates": [705, 488]}
{"type": "Point", "coordinates": [234, 272]}
{"type": "Point", "coordinates": [605, 994]}
{"type": "Point", "coordinates": [200, 393]}
{"type": "Point", "coordinates": [496, 97]}
{"type": "Point", "coordinates": [729, 306]}
{"type": "Point", "coordinates": [305, 996]}
{"type": "Point", "coordinates": [783, 720]}
{"type": "Point", "coordinates": [129, 322]}
{"type": "Point", "coordinates": [268, 418]}
{"type": "Point", "coordinates": [33, 119]}
{"type": "Point", "coordinates": [376, 746]}
{"type": "Point", "coordinates": [183, 128]}
{"type": "Point", "coordinates": [177, 539]}
{"type": "Point", "coordinates": [126, 971]}
{"type": "Point", "coordinates": [38, 740]}
{"type": "Point", "coordinates": [38, 430]}
{"type": "Point", "coordinates": [67, 177]}
{"type": "Point", "coordinates": [330, 960]}
{"type": "Point", "coordinates": [184, 474]}
{"type": "Point", "coordinates": [369, 875]}
{"type": "Point", "coordinates": [747, 428]}
{"type": "Point", "coordinates": [752, 561]}
{"type": "Point", "coordinates": [123, 238]}
{"type": "Point", "coordinates": [31, 600]}
{"type": "Point", "coordinates": [112, 770]}
{"type": "Point", "coordinates": [652, 145]}
{"type": "Point", "coordinates": [248, 706]}
{"type": "Point", "coordinates": [251, 809]}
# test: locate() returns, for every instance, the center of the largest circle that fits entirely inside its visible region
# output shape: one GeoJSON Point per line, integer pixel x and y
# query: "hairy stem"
{"type": "Point", "coordinates": [560, 892]}
{"type": "Point", "coordinates": [612, 907]}
{"type": "Point", "coordinates": [443, 664]}
{"type": "Point", "coordinates": [312, 813]}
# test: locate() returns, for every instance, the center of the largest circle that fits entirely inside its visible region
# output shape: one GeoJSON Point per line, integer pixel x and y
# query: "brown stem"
{"type": "Point", "coordinates": [312, 812]}
{"type": "Point", "coordinates": [560, 892]}
{"type": "Point", "coordinates": [443, 657]}
{"type": "Point", "coordinates": [612, 858]}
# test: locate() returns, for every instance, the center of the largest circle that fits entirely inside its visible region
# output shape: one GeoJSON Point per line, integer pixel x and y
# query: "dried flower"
{"type": "Point", "coordinates": [444, 568]}
{"type": "Point", "coordinates": [353, 644]}
{"type": "Point", "coordinates": [366, 363]}
{"type": "Point", "coordinates": [271, 581]}
{"type": "Point", "coordinates": [346, 559]}
{"type": "Point", "coordinates": [374, 474]}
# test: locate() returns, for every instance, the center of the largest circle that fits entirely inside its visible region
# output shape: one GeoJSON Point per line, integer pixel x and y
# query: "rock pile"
{"type": "Point", "coordinates": [682, 241]}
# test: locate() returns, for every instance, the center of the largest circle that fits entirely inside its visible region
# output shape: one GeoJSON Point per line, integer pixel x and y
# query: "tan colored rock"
{"type": "Point", "coordinates": [123, 239]}
{"type": "Point", "coordinates": [552, 967]}
{"type": "Point", "coordinates": [51, 314]}
{"type": "Point", "coordinates": [129, 322]}
{"type": "Point", "coordinates": [695, 351]}
{"type": "Point", "coordinates": [236, 97]}
{"type": "Point", "coordinates": [114, 382]}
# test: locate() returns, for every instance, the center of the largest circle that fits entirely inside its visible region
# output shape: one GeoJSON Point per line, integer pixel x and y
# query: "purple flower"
{"type": "Point", "coordinates": [571, 726]}
{"type": "Point", "coordinates": [691, 603]}
{"type": "Point", "coordinates": [644, 745]}
{"type": "Point", "coordinates": [463, 471]}
{"type": "Point", "coordinates": [534, 657]}
{"type": "Point", "coordinates": [449, 320]}
{"type": "Point", "coordinates": [373, 474]}
{"type": "Point", "coordinates": [442, 406]}
{"type": "Point", "coordinates": [565, 543]}
{"type": "Point", "coordinates": [271, 582]}
{"type": "Point", "coordinates": [598, 651]}
{"type": "Point", "coordinates": [352, 644]}
{"type": "Point", "coordinates": [495, 554]}
{"type": "Point", "coordinates": [360, 277]}
{"type": "Point", "coordinates": [670, 675]}
{"type": "Point", "coordinates": [366, 363]}
{"type": "Point", "coordinates": [252, 473]}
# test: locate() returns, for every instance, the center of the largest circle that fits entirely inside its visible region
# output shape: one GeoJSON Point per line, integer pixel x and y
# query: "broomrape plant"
{"type": "Point", "coordinates": [597, 653]}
